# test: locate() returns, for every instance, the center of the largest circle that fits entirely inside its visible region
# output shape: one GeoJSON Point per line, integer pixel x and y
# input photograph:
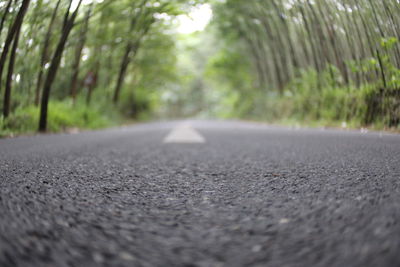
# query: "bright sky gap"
{"type": "Point", "coordinates": [197, 20]}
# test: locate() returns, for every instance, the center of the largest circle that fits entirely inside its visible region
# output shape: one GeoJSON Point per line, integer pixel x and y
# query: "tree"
{"type": "Point", "coordinates": [5, 14]}
{"type": "Point", "coordinates": [7, 93]}
{"type": "Point", "coordinates": [45, 53]}
{"type": "Point", "coordinates": [69, 21]}
{"type": "Point", "coordinates": [78, 53]}
{"type": "Point", "coordinates": [14, 29]}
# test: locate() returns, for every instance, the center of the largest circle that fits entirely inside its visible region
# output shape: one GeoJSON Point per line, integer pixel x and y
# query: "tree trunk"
{"type": "Point", "coordinates": [382, 69]}
{"type": "Point", "coordinates": [131, 47]}
{"type": "Point", "coordinates": [288, 35]}
{"type": "Point", "coordinates": [122, 71]}
{"type": "Point", "coordinates": [11, 33]}
{"type": "Point", "coordinates": [332, 39]}
{"type": "Point", "coordinates": [274, 51]}
{"type": "Point", "coordinates": [45, 54]}
{"type": "Point", "coordinates": [89, 94]}
{"type": "Point", "coordinates": [311, 41]}
{"type": "Point", "coordinates": [6, 11]}
{"type": "Point", "coordinates": [11, 63]}
{"type": "Point", "coordinates": [78, 55]}
{"type": "Point", "coordinates": [54, 65]}
{"type": "Point", "coordinates": [130, 52]}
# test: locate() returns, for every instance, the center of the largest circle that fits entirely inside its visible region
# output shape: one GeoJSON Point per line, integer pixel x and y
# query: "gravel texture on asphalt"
{"type": "Point", "coordinates": [251, 195]}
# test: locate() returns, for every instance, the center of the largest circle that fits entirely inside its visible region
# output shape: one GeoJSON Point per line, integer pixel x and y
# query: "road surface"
{"type": "Point", "coordinates": [201, 193]}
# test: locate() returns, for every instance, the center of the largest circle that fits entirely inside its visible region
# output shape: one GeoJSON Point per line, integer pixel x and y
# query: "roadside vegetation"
{"type": "Point", "coordinates": [67, 64]}
{"type": "Point", "coordinates": [332, 62]}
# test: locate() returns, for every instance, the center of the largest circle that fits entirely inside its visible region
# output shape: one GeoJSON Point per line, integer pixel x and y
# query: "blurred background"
{"type": "Point", "coordinates": [72, 64]}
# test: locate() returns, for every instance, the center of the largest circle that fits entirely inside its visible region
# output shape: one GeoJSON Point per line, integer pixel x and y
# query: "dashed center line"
{"type": "Point", "coordinates": [184, 133]}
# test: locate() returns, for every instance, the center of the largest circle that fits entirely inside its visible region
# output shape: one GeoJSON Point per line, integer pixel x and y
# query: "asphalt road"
{"type": "Point", "coordinates": [213, 194]}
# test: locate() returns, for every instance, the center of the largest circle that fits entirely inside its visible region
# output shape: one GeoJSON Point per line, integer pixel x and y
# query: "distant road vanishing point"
{"type": "Point", "coordinates": [201, 193]}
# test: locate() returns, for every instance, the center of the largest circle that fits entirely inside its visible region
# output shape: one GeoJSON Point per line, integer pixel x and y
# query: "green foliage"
{"type": "Point", "coordinates": [144, 26]}
{"type": "Point", "coordinates": [312, 60]}
{"type": "Point", "coordinates": [303, 101]}
{"type": "Point", "coordinates": [236, 95]}
{"type": "Point", "coordinates": [63, 116]}
{"type": "Point", "coordinates": [389, 43]}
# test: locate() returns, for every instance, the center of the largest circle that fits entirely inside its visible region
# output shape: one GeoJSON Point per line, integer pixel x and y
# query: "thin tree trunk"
{"type": "Point", "coordinates": [89, 95]}
{"type": "Point", "coordinates": [6, 11]}
{"type": "Point", "coordinates": [122, 71]}
{"type": "Point", "coordinates": [382, 69]}
{"type": "Point", "coordinates": [11, 33]}
{"type": "Point", "coordinates": [256, 52]}
{"type": "Point", "coordinates": [367, 31]}
{"type": "Point", "coordinates": [78, 55]}
{"type": "Point", "coordinates": [311, 41]}
{"type": "Point", "coordinates": [320, 36]}
{"type": "Point", "coordinates": [130, 52]}
{"type": "Point", "coordinates": [132, 47]}
{"type": "Point", "coordinates": [288, 34]}
{"type": "Point", "coordinates": [54, 65]}
{"type": "Point", "coordinates": [395, 31]}
{"type": "Point", "coordinates": [274, 52]}
{"type": "Point", "coordinates": [328, 23]}
{"type": "Point", "coordinates": [11, 63]}
{"type": "Point", "coordinates": [97, 61]}
{"type": "Point", "coordinates": [45, 54]}
{"type": "Point", "coordinates": [375, 16]}
{"type": "Point", "coordinates": [257, 58]}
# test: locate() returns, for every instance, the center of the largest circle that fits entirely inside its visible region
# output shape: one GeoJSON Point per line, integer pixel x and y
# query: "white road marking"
{"type": "Point", "coordinates": [283, 220]}
{"type": "Point", "coordinates": [184, 133]}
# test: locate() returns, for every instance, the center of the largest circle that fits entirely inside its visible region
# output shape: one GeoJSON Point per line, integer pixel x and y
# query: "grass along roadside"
{"type": "Point", "coordinates": [64, 116]}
